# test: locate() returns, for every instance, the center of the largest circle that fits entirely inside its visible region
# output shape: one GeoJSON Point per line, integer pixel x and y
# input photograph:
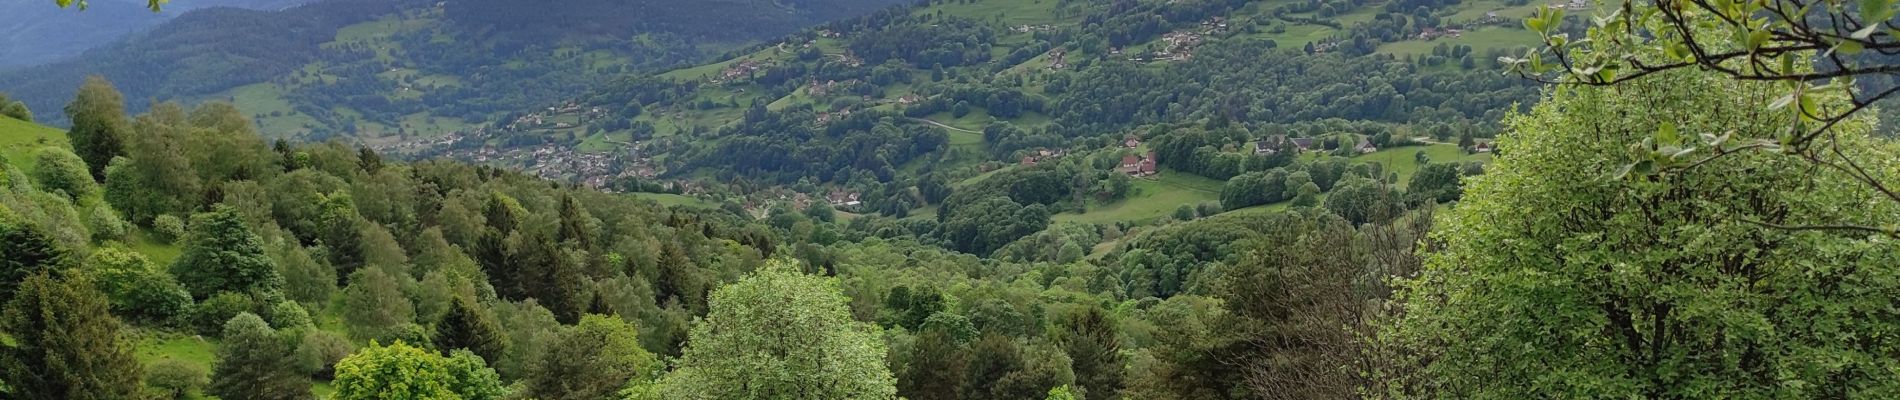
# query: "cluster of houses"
{"type": "Point", "coordinates": [844, 199]}
{"type": "Point", "coordinates": [827, 117]}
{"type": "Point", "coordinates": [1180, 46]}
{"type": "Point", "coordinates": [741, 69]}
{"type": "Point", "coordinates": [540, 119]}
{"type": "Point", "coordinates": [1138, 165]}
{"type": "Point", "coordinates": [1032, 28]}
{"type": "Point", "coordinates": [1570, 5]}
{"type": "Point", "coordinates": [849, 60]}
{"type": "Point", "coordinates": [1058, 58]}
{"type": "Point", "coordinates": [1430, 33]}
{"type": "Point", "coordinates": [817, 88]}
{"type": "Point", "coordinates": [1041, 155]}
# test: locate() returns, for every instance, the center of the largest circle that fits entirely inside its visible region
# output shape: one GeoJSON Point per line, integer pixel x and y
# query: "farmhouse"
{"type": "Point", "coordinates": [1134, 165]}
{"type": "Point", "coordinates": [839, 198]}
{"type": "Point", "coordinates": [1365, 147]}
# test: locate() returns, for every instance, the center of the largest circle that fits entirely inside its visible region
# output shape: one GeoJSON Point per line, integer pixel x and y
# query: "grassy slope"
{"type": "Point", "coordinates": [21, 141]}
{"type": "Point", "coordinates": [1151, 198]}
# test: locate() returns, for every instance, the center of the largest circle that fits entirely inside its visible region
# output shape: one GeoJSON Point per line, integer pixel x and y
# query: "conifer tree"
{"type": "Point", "coordinates": [467, 326]}
{"type": "Point", "coordinates": [1094, 353]}
{"type": "Point", "coordinates": [65, 345]}
{"type": "Point", "coordinates": [223, 255]}
{"type": "Point", "coordinates": [25, 251]}
{"type": "Point", "coordinates": [257, 363]}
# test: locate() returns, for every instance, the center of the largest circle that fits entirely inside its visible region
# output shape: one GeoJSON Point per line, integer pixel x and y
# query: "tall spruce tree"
{"type": "Point", "coordinates": [1094, 353]}
{"type": "Point", "coordinates": [25, 251]}
{"type": "Point", "coordinates": [66, 345]}
{"type": "Point", "coordinates": [467, 326]}
{"type": "Point", "coordinates": [257, 363]}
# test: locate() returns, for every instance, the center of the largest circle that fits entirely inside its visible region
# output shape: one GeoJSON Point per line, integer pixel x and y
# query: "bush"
{"type": "Point", "coordinates": [58, 170]}
{"type": "Point", "coordinates": [211, 315]}
{"type": "Point", "coordinates": [169, 229]}
{"type": "Point", "coordinates": [319, 352]}
{"type": "Point", "coordinates": [289, 315]}
{"type": "Point", "coordinates": [175, 379]}
{"type": "Point", "coordinates": [137, 290]}
{"type": "Point", "coordinates": [106, 224]}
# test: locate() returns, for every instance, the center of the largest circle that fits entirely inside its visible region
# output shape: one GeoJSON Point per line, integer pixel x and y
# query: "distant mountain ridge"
{"type": "Point", "coordinates": [346, 64]}
{"type": "Point", "coordinates": [32, 32]}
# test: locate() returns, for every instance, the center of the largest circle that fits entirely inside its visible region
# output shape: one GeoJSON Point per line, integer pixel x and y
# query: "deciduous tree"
{"type": "Point", "coordinates": [781, 334]}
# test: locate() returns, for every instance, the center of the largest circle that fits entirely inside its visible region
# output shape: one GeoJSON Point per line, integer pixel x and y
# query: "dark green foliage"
{"type": "Point", "coordinates": [468, 326]}
{"type": "Point", "coordinates": [25, 251]}
{"type": "Point", "coordinates": [65, 345]}
{"type": "Point", "coordinates": [256, 362]}
{"type": "Point", "coordinates": [223, 255]}
{"type": "Point", "coordinates": [1436, 183]}
{"type": "Point", "coordinates": [936, 370]}
{"type": "Point", "coordinates": [1362, 200]}
{"type": "Point", "coordinates": [211, 314]}
{"type": "Point", "coordinates": [1090, 339]}
{"type": "Point", "coordinates": [910, 308]}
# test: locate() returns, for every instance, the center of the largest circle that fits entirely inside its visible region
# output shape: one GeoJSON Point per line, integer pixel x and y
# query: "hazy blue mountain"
{"type": "Point", "coordinates": [34, 32]}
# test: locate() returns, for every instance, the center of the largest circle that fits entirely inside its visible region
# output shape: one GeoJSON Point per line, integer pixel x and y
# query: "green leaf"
{"type": "Point", "coordinates": [1849, 47]}
{"type": "Point", "coordinates": [1873, 12]}
{"type": "Point", "coordinates": [1666, 134]}
{"type": "Point", "coordinates": [1756, 39]}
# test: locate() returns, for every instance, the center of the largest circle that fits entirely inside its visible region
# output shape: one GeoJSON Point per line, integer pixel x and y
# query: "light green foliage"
{"type": "Point", "coordinates": [305, 279]}
{"type": "Point", "coordinates": [1561, 278]}
{"type": "Point", "coordinates": [473, 379]}
{"type": "Point", "coordinates": [138, 290]}
{"type": "Point", "coordinates": [594, 359]}
{"type": "Point", "coordinates": [319, 350]}
{"type": "Point", "coordinates": [780, 334]}
{"type": "Point", "coordinates": [99, 126]}
{"type": "Point", "coordinates": [175, 379]}
{"type": "Point", "coordinates": [256, 362]}
{"type": "Point", "coordinates": [15, 109]}
{"type": "Point", "coordinates": [288, 315]}
{"type": "Point", "coordinates": [58, 170]}
{"type": "Point", "coordinates": [64, 344]}
{"type": "Point", "coordinates": [393, 372]}
{"type": "Point", "coordinates": [105, 223]}
{"type": "Point", "coordinates": [157, 177]}
{"type": "Point", "coordinates": [1062, 393]}
{"type": "Point", "coordinates": [168, 228]}
{"type": "Point", "coordinates": [374, 306]}
{"type": "Point", "coordinates": [222, 254]}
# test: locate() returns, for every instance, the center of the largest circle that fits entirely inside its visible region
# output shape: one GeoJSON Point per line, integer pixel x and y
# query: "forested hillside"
{"type": "Point", "coordinates": [392, 68]}
{"type": "Point", "coordinates": [990, 199]}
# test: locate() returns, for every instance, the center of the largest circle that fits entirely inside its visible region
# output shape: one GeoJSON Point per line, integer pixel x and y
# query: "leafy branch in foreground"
{"type": "Point", "coordinates": [1832, 60]}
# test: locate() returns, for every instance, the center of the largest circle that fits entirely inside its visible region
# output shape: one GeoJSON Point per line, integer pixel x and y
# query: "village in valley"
{"type": "Point", "coordinates": [543, 142]}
